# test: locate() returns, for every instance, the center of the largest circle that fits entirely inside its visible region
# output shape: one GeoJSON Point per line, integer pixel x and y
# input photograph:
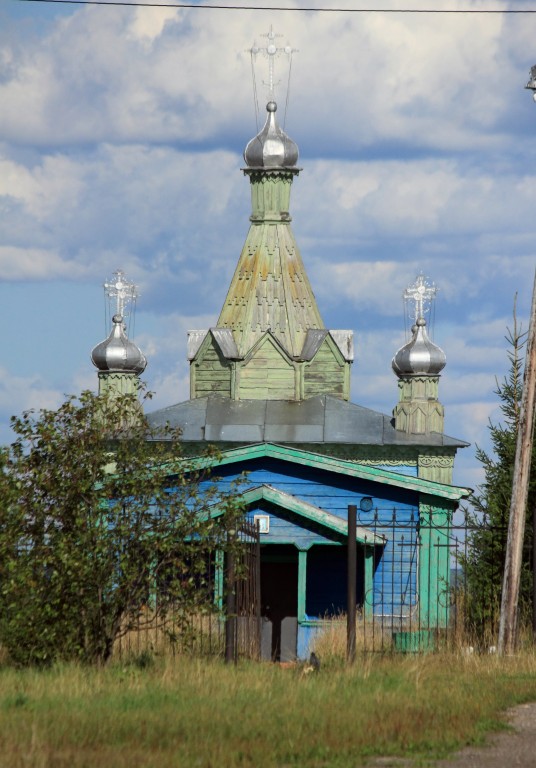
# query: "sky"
{"type": "Point", "coordinates": [121, 139]}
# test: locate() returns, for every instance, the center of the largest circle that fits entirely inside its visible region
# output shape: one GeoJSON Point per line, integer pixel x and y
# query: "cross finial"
{"type": "Point", "coordinates": [271, 50]}
{"type": "Point", "coordinates": [422, 293]}
{"type": "Point", "coordinates": [122, 290]}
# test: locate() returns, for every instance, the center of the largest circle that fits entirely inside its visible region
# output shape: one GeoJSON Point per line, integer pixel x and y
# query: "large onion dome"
{"type": "Point", "coordinates": [271, 148]}
{"type": "Point", "coordinates": [420, 356]}
{"type": "Point", "coordinates": [117, 352]}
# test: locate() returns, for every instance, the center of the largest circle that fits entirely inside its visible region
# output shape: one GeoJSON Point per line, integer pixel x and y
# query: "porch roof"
{"type": "Point", "coordinates": [339, 466]}
{"type": "Point", "coordinates": [310, 512]}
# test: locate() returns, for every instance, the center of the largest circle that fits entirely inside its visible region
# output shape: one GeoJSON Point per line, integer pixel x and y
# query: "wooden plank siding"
{"type": "Point", "coordinates": [404, 570]}
{"type": "Point", "coordinates": [268, 374]}
{"type": "Point", "coordinates": [326, 373]}
{"type": "Point", "coordinates": [288, 528]}
{"type": "Point", "coordinates": [210, 372]}
{"type": "Point", "coordinates": [322, 488]}
{"type": "Point", "coordinates": [395, 515]}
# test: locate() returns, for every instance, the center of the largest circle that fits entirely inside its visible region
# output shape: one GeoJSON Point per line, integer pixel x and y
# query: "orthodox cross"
{"type": "Point", "coordinates": [422, 293]}
{"type": "Point", "coordinates": [122, 290]}
{"type": "Point", "coordinates": [271, 51]}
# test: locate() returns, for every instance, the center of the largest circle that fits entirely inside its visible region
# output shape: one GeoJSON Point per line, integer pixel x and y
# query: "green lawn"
{"type": "Point", "coordinates": [199, 713]}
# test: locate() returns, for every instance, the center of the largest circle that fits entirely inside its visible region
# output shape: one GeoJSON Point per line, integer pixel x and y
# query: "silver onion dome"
{"type": "Point", "coordinates": [271, 148]}
{"type": "Point", "coordinates": [420, 356]}
{"type": "Point", "coordinates": [117, 352]}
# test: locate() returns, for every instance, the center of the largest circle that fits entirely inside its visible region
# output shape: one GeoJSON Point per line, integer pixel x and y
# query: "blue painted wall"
{"type": "Point", "coordinates": [330, 491]}
{"type": "Point", "coordinates": [394, 515]}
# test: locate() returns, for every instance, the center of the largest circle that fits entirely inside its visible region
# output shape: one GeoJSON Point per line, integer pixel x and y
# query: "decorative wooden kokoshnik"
{"type": "Point", "coordinates": [270, 386]}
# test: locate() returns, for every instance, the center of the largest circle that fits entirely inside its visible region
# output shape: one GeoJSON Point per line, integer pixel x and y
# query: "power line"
{"type": "Point", "coordinates": [208, 6]}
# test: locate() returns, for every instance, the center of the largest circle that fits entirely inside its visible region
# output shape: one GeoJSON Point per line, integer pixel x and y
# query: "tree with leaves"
{"type": "Point", "coordinates": [483, 564]}
{"type": "Point", "coordinates": [99, 513]}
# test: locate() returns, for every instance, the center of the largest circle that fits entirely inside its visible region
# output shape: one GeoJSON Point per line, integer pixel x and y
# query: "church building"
{"type": "Point", "coordinates": [270, 387]}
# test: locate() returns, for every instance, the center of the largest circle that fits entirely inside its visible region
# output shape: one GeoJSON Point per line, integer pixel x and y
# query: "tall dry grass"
{"type": "Point", "coordinates": [187, 712]}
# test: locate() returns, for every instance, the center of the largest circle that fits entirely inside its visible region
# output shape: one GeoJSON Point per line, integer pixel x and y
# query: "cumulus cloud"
{"type": "Point", "coordinates": [22, 393]}
{"type": "Point", "coordinates": [172, 74]}
{"type": "Point", "coordinates": [120, 140]}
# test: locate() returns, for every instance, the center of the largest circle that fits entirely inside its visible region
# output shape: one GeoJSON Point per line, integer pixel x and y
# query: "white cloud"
{"type": "Point", "coordinates": [147, 24]}
{"type": "Point", "coordinates": [165, 74]}
{"type": "Point", "coordinates": [35, 264]}
{"type": "Point", "coordinates": [121, 133]}
{"type": "Point", "coordinates": [20, 393]}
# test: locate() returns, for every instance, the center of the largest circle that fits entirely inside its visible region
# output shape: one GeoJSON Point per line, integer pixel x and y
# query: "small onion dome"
{"type": "Point", "coordinates": [420, 356]}
{"type": "Point", "coordinates": [117, 352]}
{"type": "Point", "coordinates": [271, 148]}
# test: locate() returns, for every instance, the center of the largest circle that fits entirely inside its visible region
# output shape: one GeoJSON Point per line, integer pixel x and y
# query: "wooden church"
{"type": "Point", "coordinates": [270, 387]}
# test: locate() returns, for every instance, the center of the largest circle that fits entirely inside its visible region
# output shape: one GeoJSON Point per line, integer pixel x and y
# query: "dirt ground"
{"type": "Point", "coordinates": [509, 749]}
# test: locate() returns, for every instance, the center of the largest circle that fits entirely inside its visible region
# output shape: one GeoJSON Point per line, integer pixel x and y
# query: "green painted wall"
{"type": "Point", "coordinates": [267, 374]}
{"type": "Point", "coordinates": [418, 410]}
{"type": "Point", "coordinates": [117, 383]}
{"type": "Point", "coordinates": [434, 563]}
{"type": "Point", "coordinates": [326, 373]}
{"type": "Point", "coordinates": [210, 372]}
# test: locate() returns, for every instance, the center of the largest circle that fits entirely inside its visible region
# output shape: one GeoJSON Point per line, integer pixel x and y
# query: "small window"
{"type": "Point", "coordinates": [263, 521]}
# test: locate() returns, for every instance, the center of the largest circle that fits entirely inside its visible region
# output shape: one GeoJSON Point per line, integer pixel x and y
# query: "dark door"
{"type": "Point", "coordinates": [279, 602]}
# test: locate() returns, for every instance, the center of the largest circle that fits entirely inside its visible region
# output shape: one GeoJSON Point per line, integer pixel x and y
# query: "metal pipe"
{"type": "Point", "coordinates": [352, 582]}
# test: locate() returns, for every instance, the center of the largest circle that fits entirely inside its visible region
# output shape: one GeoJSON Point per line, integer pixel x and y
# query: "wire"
{"type": "Point", "coordinates": [209, 6]}
{"type": "Point", "coordinates": [255, 98]}
{"type": "Point", "coordinates": [288, 92]}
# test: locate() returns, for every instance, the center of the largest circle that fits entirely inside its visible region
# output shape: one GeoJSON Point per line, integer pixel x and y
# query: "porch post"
{"type": "Point", "coordinates": [302, 583]}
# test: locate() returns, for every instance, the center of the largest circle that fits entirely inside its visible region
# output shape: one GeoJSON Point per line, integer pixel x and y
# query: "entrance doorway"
{"type": "Point", "coordinates": [279, 602]}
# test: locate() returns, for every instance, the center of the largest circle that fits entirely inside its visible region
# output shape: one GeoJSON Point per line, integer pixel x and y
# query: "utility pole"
{"type": "Point", "coordinates": [520, 484]}
{"type": "Point", "coordinates": [520, 487]}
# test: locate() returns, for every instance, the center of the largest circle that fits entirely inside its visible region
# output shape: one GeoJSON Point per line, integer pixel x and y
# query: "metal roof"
{"type": "Point", "coordinates": [322, 419]}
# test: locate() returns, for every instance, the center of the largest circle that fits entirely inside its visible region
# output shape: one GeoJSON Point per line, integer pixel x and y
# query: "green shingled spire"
{"type": "Point", "coordinates": [270, 290]}
{"type": "Point", "coordinates": [270, 342]}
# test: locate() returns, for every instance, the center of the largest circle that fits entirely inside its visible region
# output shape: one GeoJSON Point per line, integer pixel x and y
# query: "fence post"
{"type": "Point", "coordinates": [230, 603]}
{"type": "Point", "coordinates": [352, 578]}
{"type": "Point", "coordinates": [258, 616]}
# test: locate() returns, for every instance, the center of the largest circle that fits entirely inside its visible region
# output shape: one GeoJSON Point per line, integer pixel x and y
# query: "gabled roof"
{"type": "Point", "coordinates": [329, 464]}
{"type": "Point", "coordinates": [321, 419]}
{"type": "Point", "coordinates": [343, 340]}
{"type": "Point", "coordinates": [308, 511]}
{"type": "Point", "coordinates": [223, 338]}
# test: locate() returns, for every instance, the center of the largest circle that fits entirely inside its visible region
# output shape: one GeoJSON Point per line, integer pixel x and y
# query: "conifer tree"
{"type": "Point", "coordinates": [483, 564]}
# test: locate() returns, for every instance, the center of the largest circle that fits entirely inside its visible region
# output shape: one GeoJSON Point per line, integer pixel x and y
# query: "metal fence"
{"type": "Point", "coordinates": [434, 585]}
{"type": "Point", "coordinates": [227, 620]}
{"type": "Point", "coordinates": [422, 587]}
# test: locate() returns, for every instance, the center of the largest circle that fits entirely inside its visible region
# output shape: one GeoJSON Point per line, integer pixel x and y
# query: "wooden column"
{"type": "Point", "coordinates": [302, 583]}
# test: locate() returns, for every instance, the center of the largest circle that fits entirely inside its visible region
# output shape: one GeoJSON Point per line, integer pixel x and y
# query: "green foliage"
{"type": "Point", "coordinates": [99, 518]}
{"type": "Point", "coordinates": [484, 564]}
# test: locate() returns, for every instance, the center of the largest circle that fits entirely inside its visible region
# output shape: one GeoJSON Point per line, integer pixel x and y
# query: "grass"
{"type": "Point", "coordinates": [193, 713]}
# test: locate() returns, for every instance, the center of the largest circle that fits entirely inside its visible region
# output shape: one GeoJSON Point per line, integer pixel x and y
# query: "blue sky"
{"type": "Point", "coordinates": [121, 134]}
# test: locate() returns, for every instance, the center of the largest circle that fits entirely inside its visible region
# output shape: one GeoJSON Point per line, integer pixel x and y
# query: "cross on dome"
{"type": "Point", "coordinates": [122, 290]}
{"type": "Point", "coordinates": [422, 293]}
{"type": "Point", "coordinates": [271, 50]}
